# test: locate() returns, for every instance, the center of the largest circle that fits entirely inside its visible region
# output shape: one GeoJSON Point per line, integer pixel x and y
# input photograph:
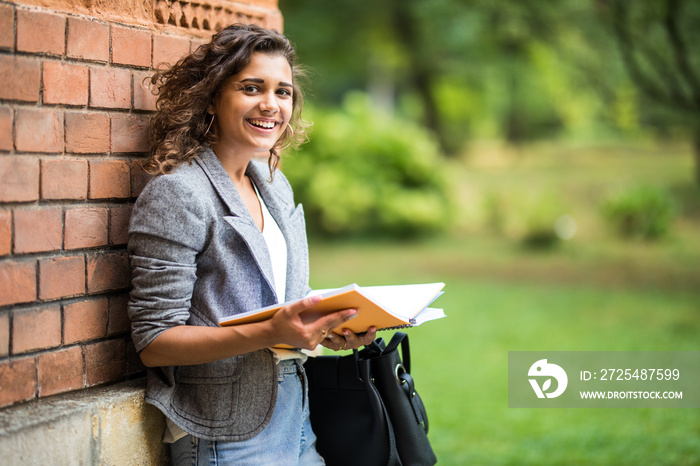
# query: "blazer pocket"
{"type": "Point", "coordinates": [207, 393]}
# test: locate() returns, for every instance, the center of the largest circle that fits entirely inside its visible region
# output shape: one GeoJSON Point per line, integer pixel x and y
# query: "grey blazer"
{"type": "Point", "coordinates": [196, 256]}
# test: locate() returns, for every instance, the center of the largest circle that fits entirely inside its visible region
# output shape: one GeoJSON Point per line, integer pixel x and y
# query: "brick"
{"type": "Point", "coordinates": [60, 277]}
{"type": "Point", "coordinates": [36, 329]}
{"type": "Point", "coordinates": [7, 26]}
{"type": "Point", "coordinates": [139, 179]}
{"type": "Point", "coordinates": [87, 39]}
{"type": "Point", "coordinates": [267, 5]}
{"type": "Point", "coordinates": [18, 380]}
{"type": "Point", "coordinates": [19, 179]}
{"type": "Point", "coordinates": [41, 32]}
{"type": "Point", "coordinates": [85, 320]}
{"type": "Point", "coordinates": [5, 232]}
{"type": "Point", "coordinates": [134, 365]}
{"type": "Point", "coordinates": [197, 42]}
{"type": "Point", "coordinates": [107, 272]}
{"type": "Point", "coordinates": [167, 50]}
{"type": "Point", "coordinates": [144, 99]}
{"type": "Point", "coordinates": [6, 128]}
{"type": "Point", "coordinates": [87, 133]}
{"type": "Point", "coordinates": [119, 321]}
{"type": "Point", "coordinates": [273, 20]}
{"type": "Point", "coordinates": [39, 130]}
{"type": "Point", "coordinates": [86, 227]}
{"type": "Point", "coordinates": [60, 371]}
{"type": "Point", "coordinates": [104, 362]}
{"type": "Point", "coordinates": [119, 224]}
{"type": "Point", "coordinates": [4, 335]}
{"type": "Point", "coordinates": [130, 133]}
{"type": "Point", "coordinates": [110, 88]}
{"type": "Point", "coordinates": [18, 282]}
{"type": "Point", "coordinates": [65, 83]}
{"type": "Point", "coordinates": [38, 230]}
{"type": "Point", "coordinates": [109, 179]}
{"type": "Point", "coordinates": [64, 178]}
{"type": "Point", "coordinates": [20, 78]}
{"type": "Point", "coordinates": [131, 46]}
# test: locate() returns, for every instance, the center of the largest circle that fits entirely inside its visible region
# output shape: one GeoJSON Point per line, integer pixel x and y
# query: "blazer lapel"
{"type": "Point", "coordinates": [240, 219]}
{"type": "Point", "coordinates": [290, 219]}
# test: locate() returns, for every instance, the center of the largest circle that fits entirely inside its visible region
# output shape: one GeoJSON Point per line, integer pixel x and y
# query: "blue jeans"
{"type": "Point", "coordinates": [286, 440]}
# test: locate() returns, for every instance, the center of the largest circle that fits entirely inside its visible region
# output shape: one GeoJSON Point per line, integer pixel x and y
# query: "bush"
{"type": "Point", "coordinates": [641, 211]}
{"type": "Point", "coordinates": [546, 222]}
{"type": "Point", "coordinates": [366, 172]}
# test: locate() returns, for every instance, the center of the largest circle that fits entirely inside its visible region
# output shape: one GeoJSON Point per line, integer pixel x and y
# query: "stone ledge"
{"type": "Point", "coordinates": [110, 425]}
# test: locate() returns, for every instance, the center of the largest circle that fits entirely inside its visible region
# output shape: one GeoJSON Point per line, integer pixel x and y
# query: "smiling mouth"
{"type": "Point", "coordinates": [263, 124]}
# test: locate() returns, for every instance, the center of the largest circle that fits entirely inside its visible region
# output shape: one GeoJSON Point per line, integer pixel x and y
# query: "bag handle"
{"type": "Point", "coordinates": [376, 348]}
{"type": "Point", "coordinates": [402, 339]}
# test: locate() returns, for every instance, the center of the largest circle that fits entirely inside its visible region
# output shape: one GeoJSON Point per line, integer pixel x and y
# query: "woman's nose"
{"type": "Point", "coordinates": [268, 102]}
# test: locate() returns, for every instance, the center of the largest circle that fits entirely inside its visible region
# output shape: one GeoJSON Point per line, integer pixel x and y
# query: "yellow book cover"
{"type": "Point", "coordinates": [384, 307]}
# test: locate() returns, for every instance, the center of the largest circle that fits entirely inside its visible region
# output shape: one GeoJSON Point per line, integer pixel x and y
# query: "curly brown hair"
{"type": "Point", "coordinates": [181, 126]}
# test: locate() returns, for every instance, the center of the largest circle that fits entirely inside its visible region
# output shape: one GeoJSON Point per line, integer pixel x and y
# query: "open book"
{"type": "Point", "coordinates": [385, 307]}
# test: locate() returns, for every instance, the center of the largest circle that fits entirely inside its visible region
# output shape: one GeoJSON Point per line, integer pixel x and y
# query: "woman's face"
{"type": "Point", "coordinates": [254, 106]}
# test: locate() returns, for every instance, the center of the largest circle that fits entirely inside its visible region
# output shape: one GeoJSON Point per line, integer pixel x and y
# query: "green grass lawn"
{"type": "Point", "coordinates": [460, 362]}
{"type": "Point", "coordinates": [595, 292]}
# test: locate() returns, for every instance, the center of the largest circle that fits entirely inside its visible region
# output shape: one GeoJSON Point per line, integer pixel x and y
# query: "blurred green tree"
{"type": "Point", "coordinates": [516, 69]}
{"type": "Point", "coordinates": [659, 43]}
{"type": "Point", "coordinates": [366, 172]}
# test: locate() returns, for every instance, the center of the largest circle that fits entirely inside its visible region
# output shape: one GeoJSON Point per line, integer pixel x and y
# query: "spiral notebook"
{"type": "Point", "coordinates": [385, 307]}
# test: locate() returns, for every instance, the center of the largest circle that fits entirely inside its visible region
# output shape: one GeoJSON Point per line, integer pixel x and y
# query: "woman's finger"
{"type": "Point", "coordinates": [337, 342]}
{"type": "Point", "coordinates": [328, 322]}
{"type": "Point", "coordinates": [369, 336]}
{"type": "Point", "coordinates": [302, 305]}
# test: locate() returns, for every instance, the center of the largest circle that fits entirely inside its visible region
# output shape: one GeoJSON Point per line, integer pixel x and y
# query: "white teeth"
{"type": "Point", "coordinates": [263, 123]}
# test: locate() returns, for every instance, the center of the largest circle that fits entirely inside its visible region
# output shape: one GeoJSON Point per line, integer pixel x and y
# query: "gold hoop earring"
{"type": "Point", "coordinates": [213, 115]}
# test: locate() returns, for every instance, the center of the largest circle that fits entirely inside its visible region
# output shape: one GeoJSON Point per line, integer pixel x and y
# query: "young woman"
{"type": "Point", "coordinates": [217, 233]}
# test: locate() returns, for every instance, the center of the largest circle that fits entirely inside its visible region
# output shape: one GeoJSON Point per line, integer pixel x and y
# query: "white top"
{"type": "Point", "coordinates": [277, 246]}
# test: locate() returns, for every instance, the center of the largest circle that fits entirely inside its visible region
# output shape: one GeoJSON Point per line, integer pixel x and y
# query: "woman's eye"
{"type": "Point", "coordinates": [284, 92]}
{"type": "Point", "coordinates": [250, 89]}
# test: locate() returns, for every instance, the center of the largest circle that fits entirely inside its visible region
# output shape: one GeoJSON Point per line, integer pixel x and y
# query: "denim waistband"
{"type": "Point", "coordinates": [289, 366]}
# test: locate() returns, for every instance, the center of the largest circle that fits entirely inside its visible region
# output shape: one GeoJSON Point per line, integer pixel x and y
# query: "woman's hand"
{"type": "Point", "coordinates": [291, 326]}
{"type": "Point", "coordinates": [348, 340]}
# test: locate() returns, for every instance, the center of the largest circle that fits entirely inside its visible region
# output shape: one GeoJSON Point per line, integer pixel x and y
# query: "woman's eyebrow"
{"type": "Point", "coordinates": [262, 81]}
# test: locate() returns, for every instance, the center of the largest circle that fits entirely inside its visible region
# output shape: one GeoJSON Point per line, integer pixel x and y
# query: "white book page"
{"type": "Point", "coordinates": [325, 293]}
{"type": "Point", "coordinates": [427, 314]}
{"type": "Point", "coordinates": [404, 301]}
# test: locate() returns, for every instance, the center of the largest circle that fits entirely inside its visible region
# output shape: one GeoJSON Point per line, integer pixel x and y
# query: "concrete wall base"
{"type": "Point", "coordinates": [110, 425]}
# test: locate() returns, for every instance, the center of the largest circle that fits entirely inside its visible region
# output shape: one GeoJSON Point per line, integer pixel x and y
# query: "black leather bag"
{"type": "Point", "coordinates": [365, 409]}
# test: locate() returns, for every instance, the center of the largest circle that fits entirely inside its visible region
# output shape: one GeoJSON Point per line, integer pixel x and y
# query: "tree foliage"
{"type": "Point", "coordinates": [659, 43]}
{"type": "Point", "coordinates": [367, 172]}
{"type": "Point", "coordinates": [514, 69]}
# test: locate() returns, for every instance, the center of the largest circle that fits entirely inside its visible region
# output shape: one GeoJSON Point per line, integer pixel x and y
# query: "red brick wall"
{"type": "Point", "coordinates": [73, 123]}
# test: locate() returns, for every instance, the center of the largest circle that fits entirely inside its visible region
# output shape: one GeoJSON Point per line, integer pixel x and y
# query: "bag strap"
{"type": "Point", "coordinates": [363, 370]}
{"type": "Point", "coordinates": [376, 348]}
{"type": "Point", "coordinates": [402, 339]}
{"type": "Point", "coordinates": [409, 387]}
